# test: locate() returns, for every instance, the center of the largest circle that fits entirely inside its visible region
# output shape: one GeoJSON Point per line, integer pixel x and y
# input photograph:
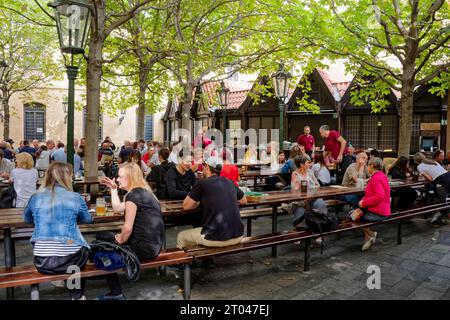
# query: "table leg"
{"type": "Point", "coordinates": [274, 227]}
{"type": "Point", "coordinates": [9, 258]}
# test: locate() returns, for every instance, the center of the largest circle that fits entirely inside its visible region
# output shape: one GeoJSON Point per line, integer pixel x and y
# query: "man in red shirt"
{"type": "Point", "coordinates": [307, 141]}
{"type": "Point", "coordinates": [336, 146]}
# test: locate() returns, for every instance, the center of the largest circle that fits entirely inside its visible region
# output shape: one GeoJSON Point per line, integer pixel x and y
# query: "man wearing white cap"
{"type": "Point", "coordinates": [220, 198]}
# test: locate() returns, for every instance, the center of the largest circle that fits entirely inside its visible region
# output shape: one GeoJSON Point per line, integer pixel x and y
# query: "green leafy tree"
{"type": "Point", "coordinates": [26, 47]}
{"type": "Point", "coordinates": [403, 43]}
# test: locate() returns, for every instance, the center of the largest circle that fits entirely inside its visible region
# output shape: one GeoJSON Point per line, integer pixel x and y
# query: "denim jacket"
{"type": "Point", "coordinates": [55, 216]}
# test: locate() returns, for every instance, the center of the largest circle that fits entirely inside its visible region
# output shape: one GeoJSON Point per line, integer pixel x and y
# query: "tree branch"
{"type": "Point", "coordinates": [127, 16]}
{"type": "Point", "coordinates": [29, 19]}
{"type": "Point", "coordinates": [442, 68]}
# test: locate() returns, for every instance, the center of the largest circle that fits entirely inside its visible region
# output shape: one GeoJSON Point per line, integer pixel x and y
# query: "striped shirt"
{"type": "Point", "coordinates": [54, 249]}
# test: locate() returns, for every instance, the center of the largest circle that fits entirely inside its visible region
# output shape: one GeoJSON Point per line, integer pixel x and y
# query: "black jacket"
{"type": "Point", "coordinates": [158, 175]}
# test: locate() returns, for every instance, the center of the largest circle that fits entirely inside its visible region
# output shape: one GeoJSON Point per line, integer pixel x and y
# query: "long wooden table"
{"type": "Point", "coordinates": [13, 218]}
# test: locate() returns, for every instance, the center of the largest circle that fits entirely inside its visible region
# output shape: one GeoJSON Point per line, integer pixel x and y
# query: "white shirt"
{"type": "Point", "coordinates": [173, 157]}
{"type": "Point", "coordinates": [433, 170]}
{"type": "Point", "coordinates": [25, 184]}
{"type": "Point", "coordinates": [43, 161]}
{"type": "Point", "coordinates": [321, 172]}
{"type": "Point", "coordinates": [6, 166]}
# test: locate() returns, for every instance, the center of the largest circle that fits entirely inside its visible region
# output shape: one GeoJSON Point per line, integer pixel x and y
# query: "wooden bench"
{"type": "Point", "coordinates": [253, 214]}
{"type": "Point", "coordinates": [279, 238]}
{"type": "Point", "coordinates": [29, 276]}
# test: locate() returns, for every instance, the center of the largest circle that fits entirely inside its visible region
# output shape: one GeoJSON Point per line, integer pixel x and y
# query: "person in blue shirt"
{"type": "Point", "coordinates": [26, 148]}
{"type": "Point", "coordinates": [55, 210]}
{"type": "Point", "coordinates": [59, 154]}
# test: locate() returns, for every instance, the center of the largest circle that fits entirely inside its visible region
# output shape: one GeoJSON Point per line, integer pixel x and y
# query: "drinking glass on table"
{"type": "Point", "coordinates": [100, 206]}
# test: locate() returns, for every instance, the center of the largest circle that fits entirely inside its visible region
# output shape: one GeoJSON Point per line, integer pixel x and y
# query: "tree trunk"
{"type": "Point", "coordinates": [5, 103]}
{"type": "Point", "coordinates": [406, 108]}
{"type": "Point", "coordinates": [447, 139]}
{"type": "Point", "coordinates": [94, 74]}
{"type": "Point", "coordinates": [141, 109]}
{"type": "Point", "coordinates": [186, 111]}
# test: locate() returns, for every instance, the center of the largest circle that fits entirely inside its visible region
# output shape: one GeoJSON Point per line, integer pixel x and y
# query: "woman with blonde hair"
{"type": "Point", "coordinates": [24, 178]}
{"type": "Point", "coordinates": [143, 230]}
{"type": "Point", "coordinates": [54, 210]}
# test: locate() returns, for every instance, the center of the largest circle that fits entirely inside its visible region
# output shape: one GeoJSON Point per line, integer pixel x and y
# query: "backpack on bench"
{"type": "Point", "coordinates": [320, 222]}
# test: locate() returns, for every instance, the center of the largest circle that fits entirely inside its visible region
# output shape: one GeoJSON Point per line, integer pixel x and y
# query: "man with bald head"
{"type": "Point", "coordinates": [50, 146]}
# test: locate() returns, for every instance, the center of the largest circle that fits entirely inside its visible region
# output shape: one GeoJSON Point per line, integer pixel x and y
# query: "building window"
{"type": "Point", "coordinates": [148, 127]}
{"type": "Point", "coordinates": [34, 121]}
{"type": "Point", "coordinates": [100, 125]}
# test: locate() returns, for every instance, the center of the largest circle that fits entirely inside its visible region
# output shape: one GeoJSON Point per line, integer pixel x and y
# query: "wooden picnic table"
{"type": "Point", "coordinates": [13, 218]}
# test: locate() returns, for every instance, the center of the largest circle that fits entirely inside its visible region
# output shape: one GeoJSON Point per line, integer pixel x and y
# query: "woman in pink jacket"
{"type": "Point", "coordinates": [376, 204]}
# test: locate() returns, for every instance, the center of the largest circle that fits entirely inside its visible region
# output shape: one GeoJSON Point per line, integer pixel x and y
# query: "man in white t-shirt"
{"type": "Point", "coordinates": [435, 173]}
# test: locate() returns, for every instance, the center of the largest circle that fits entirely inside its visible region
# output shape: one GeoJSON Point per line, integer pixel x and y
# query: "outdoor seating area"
{"type": "Point", "coordinates": [224, 150]}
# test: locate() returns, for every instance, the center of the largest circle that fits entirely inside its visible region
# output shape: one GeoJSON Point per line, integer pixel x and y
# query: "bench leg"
{"type": "Point", "coordinates": [34, 292]}
{"type": "Point", "coordinates": [249, 227]}
{"type": "Point", "coordinates": [307, 254]}
{"type": "Point", "coordinates": [274, 228]}
{"type": "Point", "coordinates": [9, 258]}
{"type": "Point", "coordinates": [399, 232]}
{"type": "Point", "coordinates": [187, 281]}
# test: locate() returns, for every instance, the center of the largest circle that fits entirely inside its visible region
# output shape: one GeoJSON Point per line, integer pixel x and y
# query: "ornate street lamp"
{"type": "Point", "coordinates": [281, 81]}
{"type": "Point", "coordinates": [223, 94]}
{"type": "Point", "coordinates": [73, 18]}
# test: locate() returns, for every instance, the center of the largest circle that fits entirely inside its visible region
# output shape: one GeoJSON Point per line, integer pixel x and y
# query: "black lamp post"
{"type": "Point", "coordinates": [73, 18]}
{"type": "Point", "coordinates": [223, 94]}
{"type": "Point", "coordinates": [281, 81]}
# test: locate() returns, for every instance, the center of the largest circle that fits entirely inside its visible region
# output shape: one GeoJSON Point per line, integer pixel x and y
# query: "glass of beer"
{"type": "Point", "coordinates": [100, 206]}
{"type": "Point", "coordinates": [304, 186]}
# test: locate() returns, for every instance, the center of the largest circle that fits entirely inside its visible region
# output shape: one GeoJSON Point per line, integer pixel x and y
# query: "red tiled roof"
{"type": "Point", "coordinates": [238, 92]}
{"type": "Point", "coordinates": [341, 87]}
{"type": "Point", "coordinates": [326, 79]}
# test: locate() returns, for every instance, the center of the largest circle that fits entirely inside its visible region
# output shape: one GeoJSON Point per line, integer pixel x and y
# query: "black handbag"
{"type": "Point", "coordinates": [8, 197]}
{"type": "Point", "coordinates": [112, 256]}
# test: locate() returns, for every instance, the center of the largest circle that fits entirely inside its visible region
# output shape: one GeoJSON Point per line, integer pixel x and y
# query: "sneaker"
{"type": "Point", "coordinates": [436, 217]}
{"type": "Point", "coordinates": [112, 297]}
{"type": "Point", "coordinates": [82, 298]}
{"type": "Point", "coordinates": [58, 284]}
{"type": "Point", "coordinates": [366, 246]}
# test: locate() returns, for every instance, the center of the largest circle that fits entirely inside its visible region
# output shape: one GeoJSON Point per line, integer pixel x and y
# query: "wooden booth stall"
{"type": "Point", "coordinates": [365, 129]}
{"type": "Point", "coordinates": [326, 95]}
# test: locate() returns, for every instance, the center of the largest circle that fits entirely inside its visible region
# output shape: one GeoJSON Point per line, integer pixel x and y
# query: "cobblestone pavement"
{"type": "Point", "coordinates": [417, 269]}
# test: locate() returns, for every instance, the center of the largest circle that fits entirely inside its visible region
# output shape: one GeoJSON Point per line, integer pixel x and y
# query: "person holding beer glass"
{"type": "Point", "coordinates": [143, 230]}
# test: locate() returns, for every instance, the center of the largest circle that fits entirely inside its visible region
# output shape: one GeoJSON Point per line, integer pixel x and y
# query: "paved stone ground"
{"type": "Point", "coordinates": [417, 269]}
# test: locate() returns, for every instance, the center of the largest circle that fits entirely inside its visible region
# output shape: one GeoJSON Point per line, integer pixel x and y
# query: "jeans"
{"type": "Point", "coordinates": [371, 216]}
{"type": "Point", "coordinates": [299, 213]}
{"type": "Point", "coordinates": [60, 265]}
{"type": "Point", "coordinates": [351, 199]}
